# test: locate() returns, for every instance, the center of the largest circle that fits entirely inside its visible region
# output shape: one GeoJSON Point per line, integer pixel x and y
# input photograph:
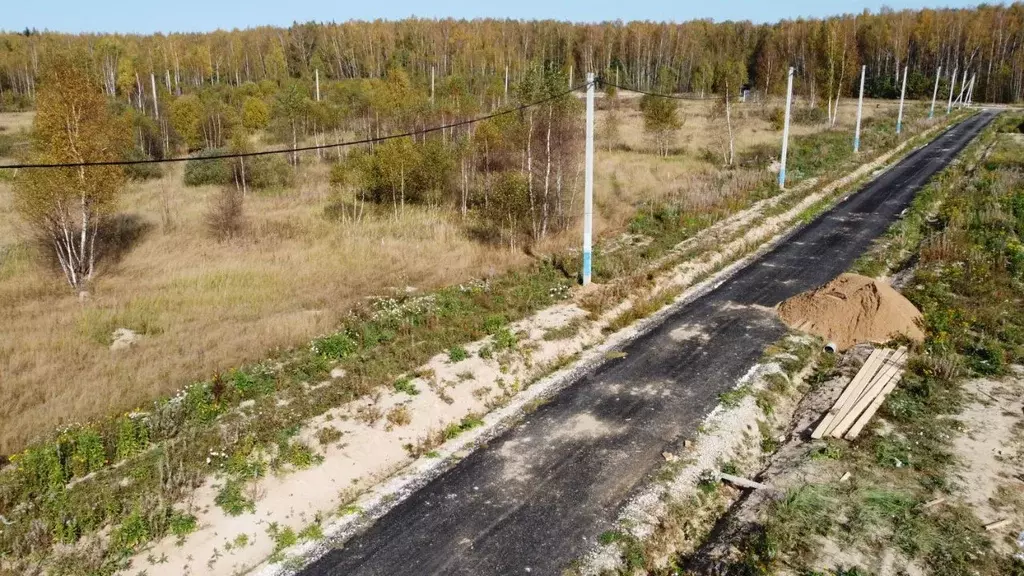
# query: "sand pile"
{"type": "Point", "coordinates": [851, 309]}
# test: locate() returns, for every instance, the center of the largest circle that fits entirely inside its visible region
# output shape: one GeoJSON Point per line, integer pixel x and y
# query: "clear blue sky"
{"type": "Point", "coordinates": [144, 16]}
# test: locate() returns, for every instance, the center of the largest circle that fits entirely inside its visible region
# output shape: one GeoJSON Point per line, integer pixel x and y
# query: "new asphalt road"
{"type": "Point", "coordinates": [539, 495]}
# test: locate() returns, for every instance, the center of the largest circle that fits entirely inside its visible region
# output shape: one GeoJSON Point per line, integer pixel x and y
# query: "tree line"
{"type": "Point", "coordinates": [688, 57]}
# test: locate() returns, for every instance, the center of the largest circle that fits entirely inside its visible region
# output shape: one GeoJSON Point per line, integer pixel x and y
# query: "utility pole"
{"type": "Point", "coordinates": [903, 93]}
{"type": "Point", "coordinates": [156, 105]}
{"type": "Point", "coordinates": [431, 85]}
{"type": "Point", "coordinates": [935, 92]}
{"type": "Point", "coordinates": [952, 86]}
{"type": "Point", "coordinates": [785, 131]}
{"type": "Point", "coordinates": [588, 186]}
{"type": "Point", "coordinates": [317, 74]}
{"type": "Point", "coordinates": [970, 90]}
{"type": "Point", "coordinates": [860, 109]}
{"type": "Point", "coordinates": [506, 82]}
{"type": "Point", "coordinates": [570, 76]}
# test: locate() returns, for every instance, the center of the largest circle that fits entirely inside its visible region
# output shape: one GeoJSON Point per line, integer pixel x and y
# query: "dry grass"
{"type": "Point", "coordinates": [16, 121]}
{"type": "Point", "coordinates": [206, 306]}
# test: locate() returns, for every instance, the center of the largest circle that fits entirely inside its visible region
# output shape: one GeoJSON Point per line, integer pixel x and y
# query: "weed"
{"type": "Point", "coordinates": [283, 538]}
{"type": "Point", "coordinates": [406, 386]}
{"type": "Point", "coordinates": [328, 435]}
{"type": "Point", "coordinates": [311, 533]}
{"type": "Point", "coordinates": [468, 423]}
{"type": "Point", "coordinates": [399, 416]}
{"type": "Point", "coordinates": [350, 509]}
{"type": "Point", "coordinates": [829, 451]}
{"type": "Point", "coordinates": [457, 354]}
{"type": "Point", "coordinates": [296, 454]}
{"type": "Point", "coordinates": [707, 481]}
{"type": "Point", "coordinates": [505, 339]}
{"type": "Point", "coordinates": [232, 499]}
{"type": "Point", "coordinates": [181, 525]}
{"type": "Point", "coordinates": [565, 331]}
{"type": "Point", "coordinates": [732, 398]}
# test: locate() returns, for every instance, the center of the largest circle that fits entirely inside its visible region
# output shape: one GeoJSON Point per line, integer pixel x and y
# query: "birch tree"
{"type": "Point", "coordinates": [67, 206]}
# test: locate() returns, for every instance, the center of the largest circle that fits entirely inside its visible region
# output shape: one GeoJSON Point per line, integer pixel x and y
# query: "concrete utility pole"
{"type": "Point", "coordinates": [935, 92]}
{"type": "Point", "coordinates": [903, 93]}
{"type": "Point", "coordinates": [588, 186]}
{"type": "Point", "coordinates": [952, 86]}
{"type": "Point", "coordinates": [570, 76]}
{"type": "Point", "coordinates": [785, 131]}
{"type": "Point", "coordinates": [860, 109]}
{"type": "Point", "coordinates": [156, 105]}
{"type": "Point", "coordinates": [431, 84]}
{"type": "Point", "coordinates": [317, 74]}
{"type": "Point", "coordinates": [506, 82]}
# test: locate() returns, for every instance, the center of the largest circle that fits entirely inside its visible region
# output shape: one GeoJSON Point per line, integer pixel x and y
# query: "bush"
{"type": "Point", "coordinates": [261, 172]}
{"type": "Point", "coordinates": [208, 172]}
{"type": "Point", "coordinates": [226, 217]}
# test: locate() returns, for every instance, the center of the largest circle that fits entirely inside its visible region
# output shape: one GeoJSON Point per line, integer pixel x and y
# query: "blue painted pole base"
{"type": "Point", "coordinates": [782, 177]}
{"type": "Point", "coordinates": [856, 144]}
{"type": "Point", "coordinates": [586, 268]}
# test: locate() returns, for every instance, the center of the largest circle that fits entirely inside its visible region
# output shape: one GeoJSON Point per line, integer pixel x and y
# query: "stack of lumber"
{"type": "Point", "coordinates": [863, 395]}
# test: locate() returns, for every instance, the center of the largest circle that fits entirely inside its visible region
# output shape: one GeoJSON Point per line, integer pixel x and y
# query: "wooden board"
{"type": "Point", "coordinates": [852, 390]}
{"type": "Point", "coordinates": [873, 407]}
{"type": "Point", "coordinates": [893, 366]}
{"type": "Point", "coordinates": [875, 404]}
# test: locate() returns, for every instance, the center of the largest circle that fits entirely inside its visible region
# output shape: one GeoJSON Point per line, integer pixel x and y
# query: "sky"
{"type": "Point", "coordinates": [134, 16]}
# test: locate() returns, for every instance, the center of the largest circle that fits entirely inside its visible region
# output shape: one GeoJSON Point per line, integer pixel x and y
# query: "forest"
{"type": "Point", "coordinates": [684, 57]}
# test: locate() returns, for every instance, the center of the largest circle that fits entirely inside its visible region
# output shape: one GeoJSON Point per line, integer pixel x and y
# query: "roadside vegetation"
{"type": "Point", "coordinates": [961, 237]}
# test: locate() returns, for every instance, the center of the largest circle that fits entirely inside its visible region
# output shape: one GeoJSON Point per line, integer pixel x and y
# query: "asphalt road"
{"type": "Point", "coordinates": [539, 495]}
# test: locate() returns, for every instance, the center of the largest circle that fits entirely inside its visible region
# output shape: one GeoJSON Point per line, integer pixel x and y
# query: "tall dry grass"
{"type": "Point", "coordinates": [204, 305]}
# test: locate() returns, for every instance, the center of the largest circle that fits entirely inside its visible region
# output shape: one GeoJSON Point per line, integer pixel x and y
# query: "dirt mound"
{"type": "Point", "coordinates": [851, 309]}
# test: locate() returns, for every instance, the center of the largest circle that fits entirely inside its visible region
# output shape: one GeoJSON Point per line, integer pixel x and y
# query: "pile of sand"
{"type": "Point", "coordinates": [851, 309]}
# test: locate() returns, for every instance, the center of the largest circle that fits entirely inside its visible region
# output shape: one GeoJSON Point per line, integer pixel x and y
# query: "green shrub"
{"type": "Point", "coordinates": [209, 172]}
{"type": "Point", "coordinates": [232, 500]}
{"type": "Point", "coordinates": [132, 436]}
{"type": "Point", "coordinates": [181, 525]}
{"type": "Point", "coordinates": [88, 453]}
{"type": "Point", "coordinates": [457, 354]}
{"type": "Point", "coordinates": [336, 346]}
{"type": "Point", "coordinates": [405, 385]}
{"type": "Point", "coordinates": [251, 384]}
{"type": "Point", "coordinates": [261, 172]}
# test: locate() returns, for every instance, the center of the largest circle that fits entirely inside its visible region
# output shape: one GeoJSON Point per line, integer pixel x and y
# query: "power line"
{"type": "Point", "coordinates": [374, 140]}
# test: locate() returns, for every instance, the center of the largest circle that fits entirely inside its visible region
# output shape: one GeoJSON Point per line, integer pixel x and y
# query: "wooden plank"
{"type": "Point", "coordinates": [870, 365]}
{"type": "Point", "coordinates": [894, 365]}
{"type": "Point", "coordinates": [997, 525]}
{"type": "Point", "coordinates": [743, 482]}
{"type": "Point", "coordinates": [875, 405]}
{"type": "Point", "coordinates": [874, 389]}
{"type": "Point", "coordinates": [856, 389]}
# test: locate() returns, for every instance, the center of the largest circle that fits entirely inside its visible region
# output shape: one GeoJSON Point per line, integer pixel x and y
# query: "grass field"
{"type": "Point", "coordinates": [205, 306]}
